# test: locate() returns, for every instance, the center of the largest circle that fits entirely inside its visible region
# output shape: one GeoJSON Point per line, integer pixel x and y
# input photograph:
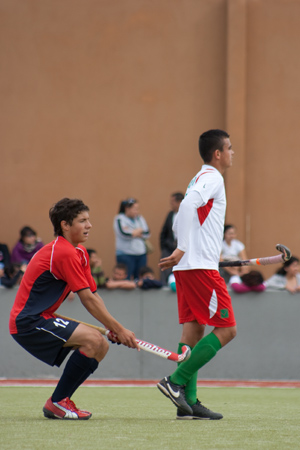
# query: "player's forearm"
{"type": "Point", "coordinates": [96, 307]}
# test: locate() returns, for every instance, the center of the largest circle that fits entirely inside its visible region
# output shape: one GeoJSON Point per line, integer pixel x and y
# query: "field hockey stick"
{"type": "Point", "coordinates": [143, 345]}
{"type": "Point", "coordinates": [284, 256]}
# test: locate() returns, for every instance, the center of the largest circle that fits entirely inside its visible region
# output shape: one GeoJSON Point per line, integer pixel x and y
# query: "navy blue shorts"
{"type": "Point", "coordinates": [46, 340]}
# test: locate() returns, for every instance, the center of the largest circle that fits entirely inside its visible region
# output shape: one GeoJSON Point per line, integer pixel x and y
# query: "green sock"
{"type": "Point", "coordinates": [203, 352]}
{"type": "Point", "coordinates": [191, 385]}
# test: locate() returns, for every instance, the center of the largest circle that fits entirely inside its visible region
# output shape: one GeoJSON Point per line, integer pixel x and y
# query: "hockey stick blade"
{"type": "Point", "coordinates": [284, 256]}
{"type": "Point", "coordinates": [143, 345]}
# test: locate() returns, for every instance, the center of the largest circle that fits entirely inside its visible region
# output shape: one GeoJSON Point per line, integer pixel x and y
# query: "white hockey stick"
{"type": "Point", "coordinates": [143, 345]}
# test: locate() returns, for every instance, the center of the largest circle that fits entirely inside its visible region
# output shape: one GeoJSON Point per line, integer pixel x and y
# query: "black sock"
{"type": "Point", "coordinates": [76, 371]}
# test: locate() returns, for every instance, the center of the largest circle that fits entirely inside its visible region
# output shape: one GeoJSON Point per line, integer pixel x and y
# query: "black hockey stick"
{"type": "Point", "coordinates": [285, 256]}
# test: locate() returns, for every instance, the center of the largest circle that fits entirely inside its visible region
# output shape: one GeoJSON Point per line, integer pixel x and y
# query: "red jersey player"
{"type": "Point", "coordinates": [57, 269]}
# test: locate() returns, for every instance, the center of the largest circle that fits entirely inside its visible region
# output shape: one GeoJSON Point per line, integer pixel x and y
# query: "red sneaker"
{"type": "Point", "coordinates": [65, 409]}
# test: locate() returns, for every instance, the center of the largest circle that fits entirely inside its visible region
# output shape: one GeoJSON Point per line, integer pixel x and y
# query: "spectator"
{"type": "Point", "coordinates": [232, 249]}
{"type": "Point", "coordinates": [26, 247]}
{"type": "Point", "coordinates": [131, 231]}
{"type": "Point", "coordinates": [96, 268]}
{"type": "Point", "coordinates": [147, 280]}
{"type": "Point", "coordinates": [119, 278]}
{"type": "Point", "coordinates": [168, 241]}
{"type": "Point", "coordinates": [252, 281]}
{"type": "Point", "coordinates": [287, 277]}
{"type": "Point", "coordinates": [4, 255]}
{"type": "Point", "coordinates": [11, 275]}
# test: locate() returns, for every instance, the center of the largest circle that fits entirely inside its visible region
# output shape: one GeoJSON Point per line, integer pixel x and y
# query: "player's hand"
{"type": "Point", "coordinates": [127, 338]}
{"type": "Point", "coordinates": [172, 260]}
{"type": "Point", "coordinates": [113, 338]}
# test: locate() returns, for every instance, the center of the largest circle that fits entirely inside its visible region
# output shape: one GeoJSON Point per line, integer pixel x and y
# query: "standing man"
{"type": "Point", "coordinates": [57, 269]}
{"type": "Point", "coordinates": [202, 295]}
{"type": "Point", "coordinates": [168, 241]}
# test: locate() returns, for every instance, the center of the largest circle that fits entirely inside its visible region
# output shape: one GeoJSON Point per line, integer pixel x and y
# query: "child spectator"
{"type": "Point", "coordinates": [287, 277]}
{"type": "Point", "coordinates": [26, 247]}
{"type": "Point", "coordinates": [119, 278]}
{"type": "Point", "coordinates": [11, 275]}
{"type": "Point", "coordinates": [146, 280]}
{"type": "Point", "coordinates": [249, 282]}
{"type": "Point", "coordinates": [96, 268]}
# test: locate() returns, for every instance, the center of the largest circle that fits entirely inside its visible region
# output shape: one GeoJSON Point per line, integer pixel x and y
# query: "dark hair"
{"type": "Point", "coordinates": [26, 231]}
{"type": "Point", "coordinates": [227, 227]}
{"type": "Point", "coordinates": [144, 270]}
{"type": "Point", "coordinates": [121, 266]}
{"type": "Point", "coordinates": [178, 196]}
{"type": "Point", "coordinates": [126, 204]}
{"type": "Point", "coordinates": [286, 264]}
{"type": "Point", "coordinates": [252, 278]}
{"type": "Point", "coordinates": [66, 209]}
{"type": "Point", "coordinates": [209, 142]}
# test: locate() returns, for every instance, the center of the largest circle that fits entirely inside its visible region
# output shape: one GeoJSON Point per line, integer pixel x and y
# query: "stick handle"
{"type": "Point", "coordinates": [143, 345]}
{"type": "Point", "coordinates": [102, 330]}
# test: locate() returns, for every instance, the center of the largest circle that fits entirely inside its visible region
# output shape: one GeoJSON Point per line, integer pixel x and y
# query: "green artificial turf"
{"type": "Point", "coordinates": [141, 418]}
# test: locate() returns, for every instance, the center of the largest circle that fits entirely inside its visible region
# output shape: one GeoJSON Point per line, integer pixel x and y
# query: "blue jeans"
{"type": "Point", "coordinates": [133, 263]}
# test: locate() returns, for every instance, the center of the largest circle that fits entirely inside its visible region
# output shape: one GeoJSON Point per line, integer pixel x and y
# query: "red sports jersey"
{"type": "Point", "coordinates": [54, 271]}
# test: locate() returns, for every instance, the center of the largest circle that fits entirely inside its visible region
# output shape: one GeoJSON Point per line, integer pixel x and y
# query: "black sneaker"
{"type": "Point", "coordinates": [199, 412]}
{"type": "Point", "coordinates": [175, 393]}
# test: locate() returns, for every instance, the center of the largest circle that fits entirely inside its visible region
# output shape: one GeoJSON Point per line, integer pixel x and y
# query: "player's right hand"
{"type": "Point", "coordinates": [127, 338]}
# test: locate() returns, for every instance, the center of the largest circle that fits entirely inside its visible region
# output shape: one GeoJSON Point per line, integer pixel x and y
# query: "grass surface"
{"type": "Point", "coordinates": [142, 418]}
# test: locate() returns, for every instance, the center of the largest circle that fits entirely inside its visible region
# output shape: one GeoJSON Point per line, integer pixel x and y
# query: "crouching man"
{"type": "Point", "coordinates": [55, 270]}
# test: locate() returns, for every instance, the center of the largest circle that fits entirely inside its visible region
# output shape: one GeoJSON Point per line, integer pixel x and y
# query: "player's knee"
{"type": "Point", "coordinates": [232, 333]}
{"type": "Point", "coordinates": [97, 345]}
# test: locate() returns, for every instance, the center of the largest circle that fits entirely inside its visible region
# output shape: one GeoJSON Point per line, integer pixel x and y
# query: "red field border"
{"type": "Point", "coordinates": [150, 383]}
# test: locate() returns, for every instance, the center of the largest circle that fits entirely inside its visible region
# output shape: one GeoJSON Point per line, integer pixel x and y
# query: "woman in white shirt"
{"type": "Point", "coordinates": [232, 250]}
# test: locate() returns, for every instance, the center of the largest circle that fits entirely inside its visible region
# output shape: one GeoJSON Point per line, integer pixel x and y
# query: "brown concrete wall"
{"type": "Point", "coordinates": [102, 100]}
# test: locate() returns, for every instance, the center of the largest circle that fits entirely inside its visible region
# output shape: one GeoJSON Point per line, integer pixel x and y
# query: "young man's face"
{"type": "Point", "coordinates": [226, 155]}
{"type": "Point", "coordinates": [78, 232]}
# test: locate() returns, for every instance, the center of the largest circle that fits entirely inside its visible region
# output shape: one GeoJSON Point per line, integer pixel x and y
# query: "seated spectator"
{"type": "Point", "coordinates": [26, 247]}
{"type": "Point", "coordinates": [232, 250]}
{"type": "Point", "coordinates": [119, 279]}
{"type": "Point", "coordinates": [252, 281]}
{"type": "Point", "coordinates": [287, 277]}
{"type": "Point", "coordinates": [147, 280]}
{"type": "Point", "coordinates": [11, 275]}
{"type": "Point", "coordinates": [96, 268]}
{"type": "Point", "coordinates": [4, 255]}
{"type": "Point", "coordinates": [131, 232]}
{"type": "Point", "coordinates": [168, 241]}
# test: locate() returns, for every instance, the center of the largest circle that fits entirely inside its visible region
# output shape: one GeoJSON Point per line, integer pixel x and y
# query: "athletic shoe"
{"type": "Point", "coordinates": [65, 409]}
{"type": "Point", "coordinates": [175, 393]}
{"type": "Point", "coordinates": [200, 413]}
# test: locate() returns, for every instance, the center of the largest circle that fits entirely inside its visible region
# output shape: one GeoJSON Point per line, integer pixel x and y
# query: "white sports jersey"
{"type": "Point", "coordinates": [199, 224]}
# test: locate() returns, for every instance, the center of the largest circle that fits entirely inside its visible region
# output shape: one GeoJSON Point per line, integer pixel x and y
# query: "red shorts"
{"type": "Point", "coordinates": [202, 296]}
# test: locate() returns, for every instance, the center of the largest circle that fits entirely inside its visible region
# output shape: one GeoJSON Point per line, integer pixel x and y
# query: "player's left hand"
{"type": "Point", "coordinates": [113, 338]}
{"type": "Point", "coordinates": [172, 260]}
